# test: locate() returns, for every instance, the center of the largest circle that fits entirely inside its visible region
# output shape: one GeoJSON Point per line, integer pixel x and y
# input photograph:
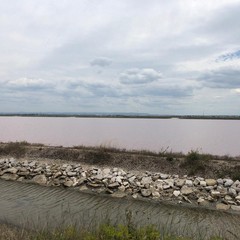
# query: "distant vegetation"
{"type": "Point", "coordinates": [122, 115]}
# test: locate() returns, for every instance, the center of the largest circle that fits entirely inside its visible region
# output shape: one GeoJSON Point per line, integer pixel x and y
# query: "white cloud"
{"type": "Point", "coordinates": [237, 90]}
{"type": "Point", "coordinates": [29, 83]}
{"type": "Point", "coordinates": [140, 76]}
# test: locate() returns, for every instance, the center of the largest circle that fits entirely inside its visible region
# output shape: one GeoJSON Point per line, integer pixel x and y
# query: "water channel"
{"type": "Point", "coordinates": [37, 206]}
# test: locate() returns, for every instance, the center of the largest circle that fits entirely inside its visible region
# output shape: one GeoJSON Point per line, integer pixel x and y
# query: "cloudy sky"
{"type": "Point", "coordinates": [156, 56]}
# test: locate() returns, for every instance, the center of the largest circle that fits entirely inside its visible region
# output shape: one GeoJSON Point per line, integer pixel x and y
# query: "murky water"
{"type": "Point", "coordinates": [36, 206]}
{"type": "Point", "coordinates": [209, 136]}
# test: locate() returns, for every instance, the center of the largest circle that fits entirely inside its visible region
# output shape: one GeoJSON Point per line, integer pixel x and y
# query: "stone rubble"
{"type": "Point", "coordinates": [224, 194]}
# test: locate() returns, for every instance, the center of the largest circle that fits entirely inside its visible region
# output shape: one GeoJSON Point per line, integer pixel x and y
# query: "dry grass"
{"type": "Point", "coordinates": [8, 232]}
{"type": "Point", "coordinates": [14, 149]}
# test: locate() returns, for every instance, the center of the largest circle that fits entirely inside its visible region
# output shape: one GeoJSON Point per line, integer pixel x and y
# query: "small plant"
{"type": "Point", "coordinates": [170, 157]}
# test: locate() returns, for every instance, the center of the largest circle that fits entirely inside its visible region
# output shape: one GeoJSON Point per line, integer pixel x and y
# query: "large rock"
{"type": "Point", "coordinates": [155, 193]}
{"type": "Point", "coordinates": [169, 182]}
{"type": "Point", "coordinates": [235, 208]}
{"type": "Point", "coordinates": [176, 193]}
{"type": "Point", "coordinates": [222, 206]}
{"type": "Point", "coordinates": [196, 181]}
{"type": "Point", "coordinates": [9, 176]}
{"type": "Point", "coordinates": [179, 182]}
{"type": "Point", "coordinates": [201, 201]}
{"type": "Point", "coordinates": [210, 182]}
{"type": "Point", "coordinates": [40, 179]}
{"type": "Point", "coordinates": [228, 182]}
{"type": "Point", "coordinates": [68, 183]}
{"type": "Point", "coordinates": [232, 192]}
{"type": "Point", "coordinates": [2, 161]}
{"type": "Point", "coordinates": [106, 172]}
{"type": "Point", "coordinates": [203, 183]}
{"type": "Point", "coordinates": [215, 194]}
{"type": "Point", "coordinates": [146, 180]}
{"type": "Point", "coordinates": [12, 170]}
{"type": "Point", "coordinates": [189, 183]}
{"type": "Point", "coordinates": [220, 181]}
{"type": "Point", "coordinates": [237, 198]}
{"type": "Point", "coordinates": [71, 174]}
{"type": "Point", "coordinates": [164, 176]}
{"type": "Point", "coordinates": [185, 190]}
{"type": "Point", "coordinates": [113, 185]}
{"type": "Point", "coordinates": [119, 194]}
{"type": "Point", "coordinates": [146, 192]}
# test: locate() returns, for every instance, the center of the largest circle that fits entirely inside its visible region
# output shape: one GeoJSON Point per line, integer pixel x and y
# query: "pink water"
{"type": "Point", "coordinates": [209, 136]}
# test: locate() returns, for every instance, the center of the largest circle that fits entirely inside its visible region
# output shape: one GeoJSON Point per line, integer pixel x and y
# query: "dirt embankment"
{"type": "Point", "coordinates": [193, 163]}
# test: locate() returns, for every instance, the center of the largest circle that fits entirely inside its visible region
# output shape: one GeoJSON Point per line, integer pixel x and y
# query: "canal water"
{"type": "Point", "coordinates": [40, 207]}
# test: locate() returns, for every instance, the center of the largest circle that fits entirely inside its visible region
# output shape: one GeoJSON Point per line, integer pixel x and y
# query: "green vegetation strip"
{"type": "Point", "coordinates": [104, 232]}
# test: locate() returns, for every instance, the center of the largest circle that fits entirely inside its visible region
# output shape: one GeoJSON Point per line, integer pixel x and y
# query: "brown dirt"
{"type": "Point", "coordinates": [192, 164]}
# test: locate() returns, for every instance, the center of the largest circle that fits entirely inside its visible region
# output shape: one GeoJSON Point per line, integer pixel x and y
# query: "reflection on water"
{"type": "Point", "coordinates": [37, 206]}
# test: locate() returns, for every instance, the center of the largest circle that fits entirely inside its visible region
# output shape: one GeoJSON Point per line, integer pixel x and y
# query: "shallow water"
{"type": "Point", "coordinates": [179, 135]}
{"type": "Point", "coordinates": [37, 206]}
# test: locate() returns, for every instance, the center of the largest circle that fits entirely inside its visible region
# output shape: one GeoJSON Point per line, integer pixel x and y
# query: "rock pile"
{"type": "Point", "coordinates": [224, 194]}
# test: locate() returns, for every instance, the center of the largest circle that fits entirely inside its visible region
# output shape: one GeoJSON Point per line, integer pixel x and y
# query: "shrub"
{"type": "Point", "coordinates": [195, 162]}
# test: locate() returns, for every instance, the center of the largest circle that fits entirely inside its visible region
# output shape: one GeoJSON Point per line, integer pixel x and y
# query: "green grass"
{"type": "Point", "coordinates": [104, 232]}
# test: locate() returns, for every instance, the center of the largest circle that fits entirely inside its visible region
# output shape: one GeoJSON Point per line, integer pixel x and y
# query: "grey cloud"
{"type": "Point", "coordinates": [222, 78]}
{"type": "Point", "coordinates": [140, 76]}
{"type": "Point", "coordinates": [167, 91]}
{"type": "Point", "coordinates": [222, 26]}
{"type": "Point", "coordinates": [170, 92]}
{"type": "Point", "coordinates": [101, 62]}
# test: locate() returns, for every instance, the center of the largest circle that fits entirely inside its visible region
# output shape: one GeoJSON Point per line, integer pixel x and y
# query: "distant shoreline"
{"type": "Point", "coordinates": [207, 117]}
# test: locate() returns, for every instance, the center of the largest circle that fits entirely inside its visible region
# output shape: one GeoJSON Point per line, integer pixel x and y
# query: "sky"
{"type": "Point", "coordinates": [138, 56]}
